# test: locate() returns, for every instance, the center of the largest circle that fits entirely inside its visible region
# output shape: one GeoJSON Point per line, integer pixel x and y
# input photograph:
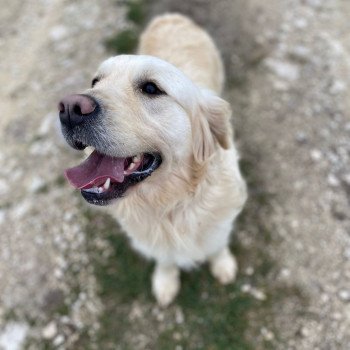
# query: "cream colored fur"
{"type": "Point", "coordinates": [183, 214]}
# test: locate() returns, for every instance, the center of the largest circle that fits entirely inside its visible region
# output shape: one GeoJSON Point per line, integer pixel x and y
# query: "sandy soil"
{"type": "Point", "coordinates": [288, 81]}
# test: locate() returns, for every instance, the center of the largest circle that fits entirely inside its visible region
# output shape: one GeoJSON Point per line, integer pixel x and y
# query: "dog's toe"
{"type": "Point", "coordinates": [223, 267]}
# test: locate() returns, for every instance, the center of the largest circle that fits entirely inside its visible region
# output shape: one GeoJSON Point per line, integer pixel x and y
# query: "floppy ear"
{"type": "Point", "coordinates": [211, 126]}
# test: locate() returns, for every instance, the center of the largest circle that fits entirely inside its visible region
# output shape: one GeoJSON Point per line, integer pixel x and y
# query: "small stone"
{"type": "Point", "coordinates": [300, 54]}
{"type": "Point", "coordinates": [2, 216]}
{"type": "Point", "coordinates": [258, 294]}
{"type": "Point", "coordinates": [314, 3]}
{"type": "Point", "coordinates": [304, 332]}
{"type": "Point", "coordinates": [337, 87]}
{"type": "Point", "coordinates": [316, 155]}
{"type": "Point", "coordinates": [300, 23]}
{"type": "Point", "coordinates": [50, 330]}
{"type": "Point", "coordinates": [283, 69]}
{"type": "Point", "coordinates": [4, 187]}
{"type": "Point", "coordinates": [58, 33]}
{"type": "Point", "coordinates": [333, 181]}
{"type": "Point", "coordinates": [136, 312]}
{"type": "Point", "coordinates": [13, 335]}
{"type": "Point", "coordinates": [285, 273]}
{"type": "Point", "coordinates": [267, 334]}
{"type": "Point", "coordinates": [279, 85]}
{"type": "Point", "coordinates": [325, 298]}
{"type": "Point", "coordinates": [246, 288]}
{"type": "Point", "coordinates": [337, 316]}
{"type": "Point", "coordinates": [177, 336]}
{"type": "Point", "coordinates": [36, 184]}
{"type": "Point", "coordinates": [346, 179]}
{"type": "Point", "coordinates": [58, 340]}
{"type": "Point", "coordinates": [179, 316]}
{"type": "Point", "coordinates": [301, 138]}
{"type": "Point", "coordinates": [47, 123]}
{"type": "Point", "coordinates": [344, 295]}
{"type": "Point", "coordinates": [249, 271]}
{"type": "Point", "coordinates": [347, 253]}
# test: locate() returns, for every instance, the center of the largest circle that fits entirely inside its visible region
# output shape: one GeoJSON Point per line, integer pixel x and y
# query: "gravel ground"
{"type": "Point", "coordinates": [288, 65]}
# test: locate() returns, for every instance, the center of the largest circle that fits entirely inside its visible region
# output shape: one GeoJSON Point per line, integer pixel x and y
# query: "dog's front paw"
{"type": "Point", "coordinates": [165, 284]}
{"type": "Point", "coordinates": [223, 266]}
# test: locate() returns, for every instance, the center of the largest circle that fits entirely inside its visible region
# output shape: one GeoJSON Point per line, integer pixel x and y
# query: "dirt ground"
{"type": "Point", "coordinates": [62, 265]}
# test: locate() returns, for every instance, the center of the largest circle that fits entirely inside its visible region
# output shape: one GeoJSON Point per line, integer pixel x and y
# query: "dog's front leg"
{"type": "Point", "coordinates": [223, 266]}
{"type": "Point", "coordinates": [165, 283]}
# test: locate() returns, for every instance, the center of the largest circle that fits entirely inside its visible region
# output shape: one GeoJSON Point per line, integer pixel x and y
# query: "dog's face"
{"type": "Point", "coordinates": [142, 116]}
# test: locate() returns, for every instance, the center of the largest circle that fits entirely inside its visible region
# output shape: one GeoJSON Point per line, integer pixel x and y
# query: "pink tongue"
{"type": "Point", "coordinates": [95, 170]}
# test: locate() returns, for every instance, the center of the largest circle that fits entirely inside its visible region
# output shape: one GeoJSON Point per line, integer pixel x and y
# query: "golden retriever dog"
{"type": "Point", "coordinates": [163, 163]}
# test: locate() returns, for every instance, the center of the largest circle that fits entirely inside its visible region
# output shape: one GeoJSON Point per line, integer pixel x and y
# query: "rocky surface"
{"type": "Point", "coordinates": [48, 49]}
{"type": "Point", "coordinates": [288, 82]}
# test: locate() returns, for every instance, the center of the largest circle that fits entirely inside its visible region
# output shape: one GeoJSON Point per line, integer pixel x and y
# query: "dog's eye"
{"type": "Point", "coordinates": [94, 81]}
{"type": "Point", "coordinates": [150, 88]}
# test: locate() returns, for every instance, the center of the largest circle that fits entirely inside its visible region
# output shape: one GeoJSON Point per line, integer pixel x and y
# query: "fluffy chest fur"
{"type": "Point", "coordinates": [196, 224]}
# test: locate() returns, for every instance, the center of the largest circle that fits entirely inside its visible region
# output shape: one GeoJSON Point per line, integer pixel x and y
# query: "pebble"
{"type": "Point", "coordinates": [283, 69]}
{"type": "Point", "coordinates": [179, 316]}
{"type": "Point", "coordinates": [346, 179]}
{"type": "Point", "coordinates": [267, 334]}
{"type": "Point", "coordinates": [50, 330]}
{"type": "Point", "coordinates": [279, 85]}
{"type": "Point", "coordinates": [48, 123]}
{"type": "Point", "coordinates": [314, 3]}
{"type": "Point", "coordinates": [36, 184]}
{"type": "Point", "coordinates": [2, 216]}
{"type": "Point", "coordinates": [304, 332]}
{"type": "Point", "coordinates": [258, 294]}
{"type": "Point", "coordinates": [316, 155]}
{"type": "Point", "coordinates": [58, 340]}
{"type": "Point", "coordinates": [344, 295]}
{"type": "Point", "coordinates": [301, 137]}
{"type": "Point", "coordinates": [249, 271]}
{"type": "Point", "coordinates": [337, 87]}
{"type": "Point", "coordinates": [13, 335]}
{"type": "Point", "coordinates": [246, 288]}
{"type": "Point", "coordinates": [4, 188]}
{"type": "Point", "coordinates": [58, 33]}
{"type": "Point", "coordinates": [300, 23]}
{"type": "Point", "coordinates": [333, 181]}
{"type": "Point", "coordinates": [347, 253]}
{"type": "Point", "coordinates": [285, 273]}
{"type": "Point", "coordinates": [300, 54]}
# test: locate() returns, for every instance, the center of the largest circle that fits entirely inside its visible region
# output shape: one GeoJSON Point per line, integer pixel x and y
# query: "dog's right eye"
{"type": "Point", "coordinates": [94, 81]}
{"type": "Point", "coordinates": [150, 88]}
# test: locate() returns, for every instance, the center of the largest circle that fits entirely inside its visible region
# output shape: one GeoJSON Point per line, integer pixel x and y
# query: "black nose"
{"type": "Point", "coordinates": [73, 109]}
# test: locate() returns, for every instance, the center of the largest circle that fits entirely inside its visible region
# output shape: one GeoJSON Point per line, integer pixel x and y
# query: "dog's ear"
{"type": "Point", "coordinates": [211, 126]}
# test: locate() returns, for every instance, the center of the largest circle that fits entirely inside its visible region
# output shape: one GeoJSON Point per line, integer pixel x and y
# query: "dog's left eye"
{"type": "Point", "coordinates": [150, 88]}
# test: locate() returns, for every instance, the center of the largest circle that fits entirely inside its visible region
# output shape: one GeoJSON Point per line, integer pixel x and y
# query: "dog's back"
{"type": "Point", "coordinates": [176, 39]}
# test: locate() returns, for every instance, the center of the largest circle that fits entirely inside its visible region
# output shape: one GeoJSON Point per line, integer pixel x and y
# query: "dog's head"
{"type": "Point", "coordinates": [142, 116]}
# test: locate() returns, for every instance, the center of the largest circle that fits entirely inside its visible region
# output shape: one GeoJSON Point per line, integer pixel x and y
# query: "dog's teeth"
{"type": "Point", "coordinates": [92, 189]}
{"type": "Point", "coordinates": [100, 189]}
{"type": "Point", "coordinates": [136, 158]}
{"type": "Point", "coordinates": [107, 184]}
{"type": "Point", "coordinates": [88, 150]}
{"type": "Point", "coordinates": [131, 166]}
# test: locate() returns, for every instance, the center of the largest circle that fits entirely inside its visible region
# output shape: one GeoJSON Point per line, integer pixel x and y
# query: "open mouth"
{"type": "Point", "coordinates": [102, 178]}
